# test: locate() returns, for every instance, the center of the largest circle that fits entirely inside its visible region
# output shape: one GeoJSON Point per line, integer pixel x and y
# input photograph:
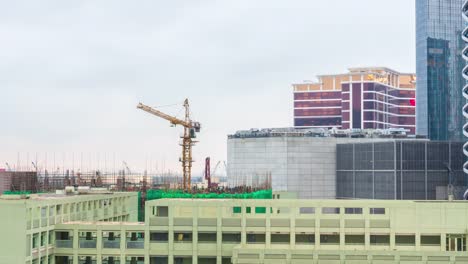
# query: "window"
{"type": "Point", "coordinates": [159, 260]}
{"type": "Point", "coordinates": [207, 260]}
{"type": "Point", "coordinates": [305, 239]}
{"type": "Point", "coordinates": [63, 259]}
{"type": "Point", "coordinates": [110, 260]}
{"type": "Point", "coordinates": [182, 259]}
{"type": "Point", "coordinates": [111, 239]}
{"type": "Point", "coordinates": [256, 238]}
{"type": "Point", "coordinates": [330, 210]}
{"type": "Point", "coordinates": [182, 237]}
{"type": "Point", "coordinates": [307, 210]}
{"type": "Point", "coordinates": [280, 238]}
{"type": "Point", "coordinates": [43, 239]}
{"type": "Point", "coordinates": [456, 242]}
{"type": "Point", "coordinates": [237, 210]}
{"type": "Point", "coordinates": [231, 237]}
{"type": "Point", "coordinates": [159, 236]}
{"type": "Point", "coordinates": [135, 240]}
{"type": "Point", "coordinates": [248, 210]}
{"type": "Point", "coordinates": [260, 210]}
{"type": "Point", "coordinates": [331, 239]}
{"type": "Point", "coordinates": [353, 210]}
{"type": "Point", "coordinates": [379, 211]}
{"type": "Point", "coordinates": [51, 237]}
{"type": "Point", "coordinates": [354, 239]}
{"type": "Point", "coordinates": [162, 211]}
{"type": "Point", "coordinates": [205, 237]}
{"type": "Point", "coordinates": [87, 239]}
{"type": "Point", "coordinates": [35, 242]}
{"type": "Point", "coordinates": [430, 240]}
{"type": "Point", "coordinates": [405, 240]}
{"type": "Point", "coordinates": [380, 239]}
{"type": "Point", "coordinates": [86, 259]}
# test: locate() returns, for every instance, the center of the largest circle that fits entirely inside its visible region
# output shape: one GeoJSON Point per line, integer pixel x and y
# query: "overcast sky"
{"type": "Point", "coordinates": [72, 72]}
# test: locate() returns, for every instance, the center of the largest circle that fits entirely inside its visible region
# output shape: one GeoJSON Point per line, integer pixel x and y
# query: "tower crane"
{"type": "Point", "coordinates": [190, 128]}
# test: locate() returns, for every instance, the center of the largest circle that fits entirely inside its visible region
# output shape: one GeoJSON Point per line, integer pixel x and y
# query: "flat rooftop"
{"type": "Point", "coordinates": [395, 133]}
{"type": "Point", "coordinates": [56, 196]}
{"type": "Point", "coordinates": [102, 223]}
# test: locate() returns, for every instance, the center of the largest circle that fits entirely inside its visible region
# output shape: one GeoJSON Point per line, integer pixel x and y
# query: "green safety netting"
{"type": "Point", "coordinates": [161, 194]}
{"type": "Point", "coordinates": [16, 193]}
{"type": "Point", "coordinates": [141, 208]}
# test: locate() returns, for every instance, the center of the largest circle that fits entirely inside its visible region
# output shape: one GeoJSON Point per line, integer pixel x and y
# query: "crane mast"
{"type": "Point", "coordinates": [187, 139]}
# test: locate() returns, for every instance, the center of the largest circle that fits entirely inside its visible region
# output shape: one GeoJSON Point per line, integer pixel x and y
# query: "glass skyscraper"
{"type": "Point", "coordinates": [438, 69]}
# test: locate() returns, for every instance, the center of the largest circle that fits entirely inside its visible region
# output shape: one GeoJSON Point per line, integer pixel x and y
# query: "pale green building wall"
{"type": "Point", "coordinates": [269, 218]}
{"type": "Point", "coordinates": [13, 232]}
{"type": "Point", "coordinates": [23, 221]}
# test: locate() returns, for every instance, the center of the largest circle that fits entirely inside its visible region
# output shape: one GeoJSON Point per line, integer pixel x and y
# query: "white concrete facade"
{"type": "Point", "coordinates": [305, 165]}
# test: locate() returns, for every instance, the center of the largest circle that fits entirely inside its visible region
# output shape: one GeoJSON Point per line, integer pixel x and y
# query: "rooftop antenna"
{"type": "Point", "coordinates": [450, 183]}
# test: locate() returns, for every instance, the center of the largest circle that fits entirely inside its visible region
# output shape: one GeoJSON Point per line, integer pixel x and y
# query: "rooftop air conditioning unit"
{"type": "Point", "coordinates": [83, 189]}
{"type": "Point", "coordinates": [69, 189]}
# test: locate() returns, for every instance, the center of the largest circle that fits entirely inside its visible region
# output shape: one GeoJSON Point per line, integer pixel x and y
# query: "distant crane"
{"type": "Point", "coordinates": [34, 165]}
{"type": "Point", "coordinates": [190, 128]}
{"type": "Point", "coordinates": [8, 166]}
{"type": "Point", "coordinates": [126, 167]}
{"type": "Point", "coordinates": [211, 173]}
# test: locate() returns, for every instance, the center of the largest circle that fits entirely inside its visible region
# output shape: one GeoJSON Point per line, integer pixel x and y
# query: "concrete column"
{"type": "Point", "coordinates": [99, 244]}
{"type": "Point", "coordinates": [219, 234]}
{"type": "Point", "coordinates": [170, 214]}
{"type": "Point", "coordinates": [195, 235]}
{"type": "Point", "coordinates": [123, 241]}
{"type": "Point", "coordinates": [147, 242]}
{"type": "Point", "coordinates": [75, 244]}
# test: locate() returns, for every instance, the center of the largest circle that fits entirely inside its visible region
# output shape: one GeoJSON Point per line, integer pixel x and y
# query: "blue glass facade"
{"type": "Point", "coordinates": [438, 69]}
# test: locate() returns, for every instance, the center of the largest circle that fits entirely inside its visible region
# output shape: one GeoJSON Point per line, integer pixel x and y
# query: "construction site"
{"type": "Point", "coordinates": [38, 179]}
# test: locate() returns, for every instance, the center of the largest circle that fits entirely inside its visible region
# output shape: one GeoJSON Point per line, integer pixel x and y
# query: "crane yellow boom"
{"type": "Point", "coordinates": [187, 139]}
{"type": "Point", "coordinates": [173, 120]}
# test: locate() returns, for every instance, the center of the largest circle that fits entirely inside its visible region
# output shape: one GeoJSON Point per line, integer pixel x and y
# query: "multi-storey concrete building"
{"type": "Point", "coordinates": [298, 160]}
{"type": "Point", "coordinates": [363, 98]}
{"type": "Point", "coordinates": [401, 169]}
{"type": "Point", "coordinates": [274, 231]}
{"type": "Point", "coordinates": [27, 223]}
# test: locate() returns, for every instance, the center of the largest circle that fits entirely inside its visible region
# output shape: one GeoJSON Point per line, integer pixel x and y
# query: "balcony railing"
{"type": "Point", "coordinates": [111, 243]}
{"type": "Point", "coordinates": [87, 243]}
{"type": "Point", "coordinates": [64, 243]}
{"type": "Point", "coordinates": [134, 262]}
{"type": "Point", "coordinates": [135, 244]}
{"type": "Point", "coordinates": [111, 262]}
{"type": "Point", "coordinates": [87, 262]}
